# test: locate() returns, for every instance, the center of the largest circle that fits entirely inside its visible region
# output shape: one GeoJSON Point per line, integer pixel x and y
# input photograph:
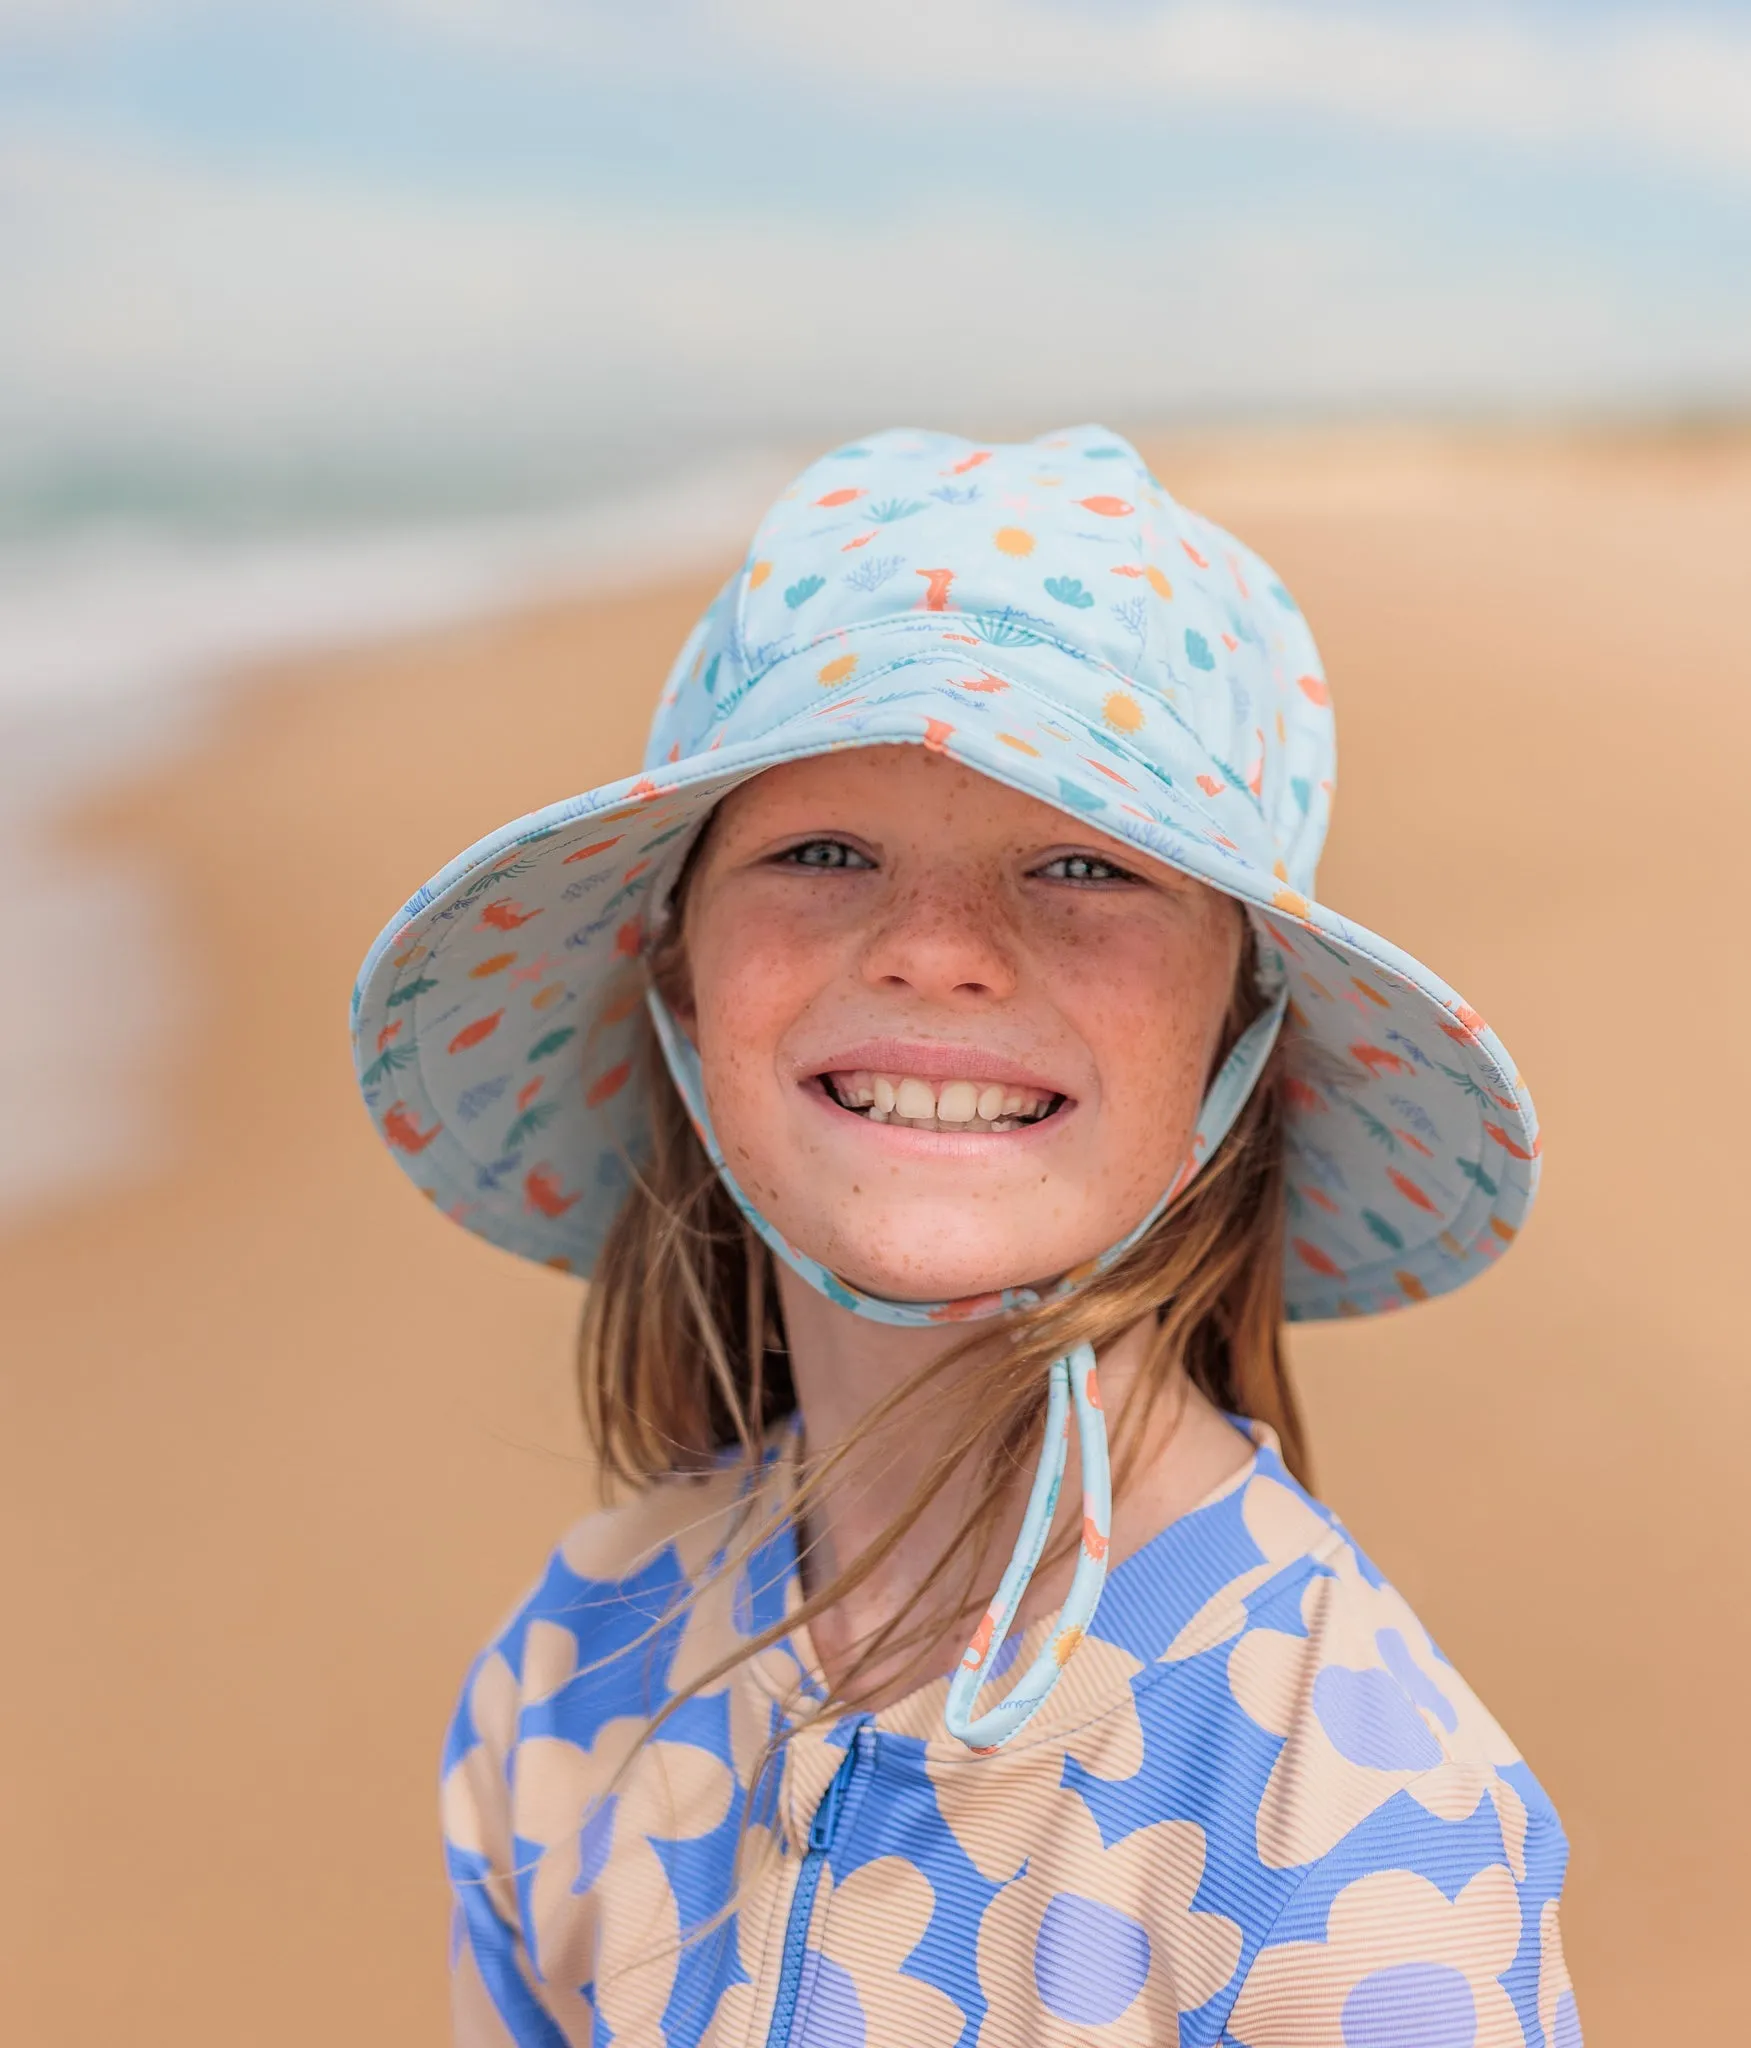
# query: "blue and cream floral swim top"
{"type": "Point", "coordinates": [1261, 1810]}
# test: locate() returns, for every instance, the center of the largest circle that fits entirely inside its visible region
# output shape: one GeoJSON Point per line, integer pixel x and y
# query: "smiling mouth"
{"type": "Point", "coordinates": [973, 1107]}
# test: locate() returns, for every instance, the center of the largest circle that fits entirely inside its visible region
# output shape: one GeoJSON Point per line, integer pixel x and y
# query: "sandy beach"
{"type": "Point", "coordinates": [280, 1445]}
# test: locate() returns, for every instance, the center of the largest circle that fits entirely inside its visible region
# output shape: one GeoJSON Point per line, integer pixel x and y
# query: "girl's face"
{"type": "Point", "coordinates": [952, 1040]}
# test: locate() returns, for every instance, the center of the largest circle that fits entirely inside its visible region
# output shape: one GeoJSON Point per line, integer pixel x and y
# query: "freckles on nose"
{"type": "Point", "coordinates": [948, 936]}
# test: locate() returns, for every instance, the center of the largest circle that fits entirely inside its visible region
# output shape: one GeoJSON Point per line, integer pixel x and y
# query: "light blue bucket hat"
{"type": "Point", "coordinates": [1048, 615]}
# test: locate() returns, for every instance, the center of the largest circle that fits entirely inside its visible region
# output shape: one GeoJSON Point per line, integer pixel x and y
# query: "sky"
{"type": "Point", "coordinates": [422, 244]}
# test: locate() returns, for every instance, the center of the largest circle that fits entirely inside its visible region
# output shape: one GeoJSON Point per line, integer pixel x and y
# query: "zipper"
{"type": "Point", "coordinates": [823, 1829]}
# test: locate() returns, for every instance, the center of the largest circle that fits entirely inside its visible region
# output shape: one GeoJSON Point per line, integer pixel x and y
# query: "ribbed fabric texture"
{"type": "Point", "coordinates": [1260, 1810]}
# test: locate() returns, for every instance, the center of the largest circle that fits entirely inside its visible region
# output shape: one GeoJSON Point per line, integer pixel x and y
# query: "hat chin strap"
{"type": "Point", "coordinates": [1071, 1377]}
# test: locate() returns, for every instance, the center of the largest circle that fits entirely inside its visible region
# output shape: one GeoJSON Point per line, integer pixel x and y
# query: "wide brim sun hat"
{"type": "Point", "coordinates": [1047, 615]}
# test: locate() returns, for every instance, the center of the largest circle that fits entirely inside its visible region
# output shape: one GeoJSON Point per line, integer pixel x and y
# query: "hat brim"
{"type": "Point", "coordinates": [494, 1019]}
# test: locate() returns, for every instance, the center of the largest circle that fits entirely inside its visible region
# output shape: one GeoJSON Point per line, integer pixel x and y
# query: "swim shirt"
{"type": "Point", "coordinates": [1260, 1810]}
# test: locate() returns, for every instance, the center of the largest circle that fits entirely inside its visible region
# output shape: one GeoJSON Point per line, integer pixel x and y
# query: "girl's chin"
{"type": "Point", "coordinates": [927, 1276]}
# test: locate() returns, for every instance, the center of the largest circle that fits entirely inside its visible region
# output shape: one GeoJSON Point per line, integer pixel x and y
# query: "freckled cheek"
{"type": "Point", "coordinates": [1152, 1042]}
{"type": "Point", "coordinates": [748, 1001]}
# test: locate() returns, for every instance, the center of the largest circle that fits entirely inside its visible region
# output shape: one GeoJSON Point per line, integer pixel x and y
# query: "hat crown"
{"type": "Point", "coordinates": [1187, 650]}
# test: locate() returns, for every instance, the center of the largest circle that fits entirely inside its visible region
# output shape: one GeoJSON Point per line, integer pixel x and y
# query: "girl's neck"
{"type": "Point", "coordinates": [843, 1365]}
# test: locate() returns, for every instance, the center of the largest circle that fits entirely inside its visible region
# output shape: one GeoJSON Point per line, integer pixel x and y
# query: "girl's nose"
{"type": "Point", "coordinates": [945, 942]}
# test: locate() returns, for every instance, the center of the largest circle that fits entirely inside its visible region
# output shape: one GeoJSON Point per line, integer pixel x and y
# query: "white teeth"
{"type": "Point", "coordinates": [915, 1098]}
{"type": "Point", "coordinates": [957, 1103]}
{"type": "Point", "coordinates": [944, 1105]}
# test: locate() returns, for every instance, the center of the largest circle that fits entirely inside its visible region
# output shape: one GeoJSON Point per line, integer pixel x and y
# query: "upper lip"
{"type": "Point", "coordinates": [927, 1060]}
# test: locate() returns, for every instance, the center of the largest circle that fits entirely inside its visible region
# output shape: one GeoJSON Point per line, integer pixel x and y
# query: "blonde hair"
{"type": "Point", "coordinates": [681, 1354]}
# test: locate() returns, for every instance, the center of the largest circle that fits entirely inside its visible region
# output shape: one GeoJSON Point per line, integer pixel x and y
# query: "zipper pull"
{"type": "Point", "coordinates": [825, 1824]}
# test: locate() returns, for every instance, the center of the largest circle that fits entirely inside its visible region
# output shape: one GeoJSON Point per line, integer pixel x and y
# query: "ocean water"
{"type": "Point", "coordinates": [119, 631]}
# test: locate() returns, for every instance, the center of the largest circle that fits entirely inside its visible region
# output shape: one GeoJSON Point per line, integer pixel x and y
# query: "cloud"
{"type": "Point", "coordinates": [1667, 82]}
{"type": "Point", "coordinates": [153, 300]}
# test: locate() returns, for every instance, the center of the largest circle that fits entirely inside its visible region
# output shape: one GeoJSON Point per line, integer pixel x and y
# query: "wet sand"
{"type": "Point", "coordinates": [280, 1445]}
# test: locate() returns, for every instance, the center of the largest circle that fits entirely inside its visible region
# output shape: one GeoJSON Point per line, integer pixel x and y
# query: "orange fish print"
{"type": "Point", "coordinates": [936, 735]}
{"type": "Point", "coordinates": [403, 1132]}
{"type": "Point", "coordinates": [840, 497]}
{"type": "Point", "coordinates": [504, 914]}
{"type": "Point", "coordinates": [1412, 1286]}
{"type": "Point", "coordinates": [607, 1085]}
{"type": "Point", "coordinates": [536, 970]}
{"type": "Point", "coordinates": [1203, 561]}
{"type": "Point", "coordinates": [472, 1034]}
{"type": "Point", "coordinates": [1311, 1255]}
{"type": "Point", "coordinates": [629, 938]}
{"type": "Point", "coordinates": [1127, 569]}
{"type": "Point", "coordinates": [542, 1192]}
{"type": "Point", "coordinates": [1377, 1059]}
{"type": "Point", "coordinates": [981, 683]}
{"type": "Point", "coordinates": [1108, 508]}
{"type": "Point", "coordinates": [936, 583]}
{"type": "Point", "coordinates": [1470, 1025]}
{"type": "Point", "coordinates": [389, 1032]}
{"type": "Point", "coordinates": [1321, 1199]}
{"type": "Point", "coordinates": [1314, 689]}
{"type": "Point", "coordinates": [1092, 1539]}
{"type": "Point", "coordinates": [862, 541]}
{"type": "Point", "coordinates": [528, 1092]}
{"type": "Point", "coordinates": [595, 846]}
{"type": "Point", "coordinates": [975, 1652]}
{"type": "Point", "coordinates": [495, 963]}
{"type": "Point", "coordinates": [1234, 570]}
{"type": "Point", "coordinates": [1210, 786]}
{"type": "Point", "coordinates": [1508, 1145]}
{"type": "Point", "coordinates": [545, 998]}
{"type": "Point", "coordinates": [1413, 1141]}
{"type": "Point", "coordinates": [1410, 1191]}
{"type": "Point", "coordinates": [1373, 994]}
{"type": "Point", "coordinates": [969, 1305]}
{"type": "Point", "coordinates": [969, 462]}
{"type": "Point", "coordinates": [1302, 1095]}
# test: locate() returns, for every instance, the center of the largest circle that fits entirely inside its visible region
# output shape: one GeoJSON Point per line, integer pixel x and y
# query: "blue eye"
{"type": "Point", "coordinates": [825, 854]}
{"type": "Point", "coordinates": [1084, 867]}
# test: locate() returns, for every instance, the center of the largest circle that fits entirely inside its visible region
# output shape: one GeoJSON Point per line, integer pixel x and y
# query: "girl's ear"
{"type": "Point", "coordinates": [672, 976]}
{"type": "Point", "coordinates": [670, 970]}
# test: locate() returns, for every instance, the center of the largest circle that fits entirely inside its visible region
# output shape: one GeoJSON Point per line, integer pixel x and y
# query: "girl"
{"type": "Point", "coordinates": [938, 1059]}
